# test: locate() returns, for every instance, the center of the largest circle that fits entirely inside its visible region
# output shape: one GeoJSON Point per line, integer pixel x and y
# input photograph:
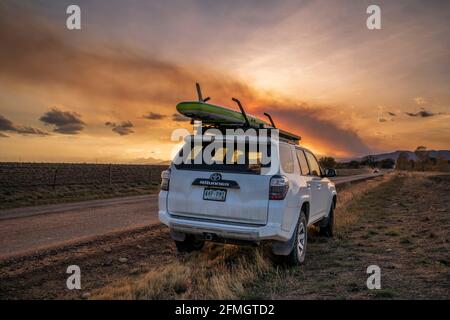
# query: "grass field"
{"type": "Point", "coordinates": [39, 195]}
{"type": "Point", "coordinates": [399, 223]}
{"type": "Point", "coordinates": [401, 226]}
{"type": "Point", "coordinates": [30, 184]}
{"type": "Point", "coordinates": [23, 185]}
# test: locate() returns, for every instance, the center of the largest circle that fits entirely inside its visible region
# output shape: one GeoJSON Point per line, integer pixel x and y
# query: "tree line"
{"type": "Point", "coordinates": [368, 161]}
{"type": "Point", "coordinates": [423, 162]}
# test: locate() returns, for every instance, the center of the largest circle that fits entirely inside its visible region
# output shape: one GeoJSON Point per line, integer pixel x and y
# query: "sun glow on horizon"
{"type": "Point", "coordinates": [108, 93]}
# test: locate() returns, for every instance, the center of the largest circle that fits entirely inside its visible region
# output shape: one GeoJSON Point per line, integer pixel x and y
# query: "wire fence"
{"type": "Point", "coordinates": [63, 174]}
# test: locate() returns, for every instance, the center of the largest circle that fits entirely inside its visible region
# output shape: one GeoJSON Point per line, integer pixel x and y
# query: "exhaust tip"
{"type": "Point", "coordinates": [209, 236]}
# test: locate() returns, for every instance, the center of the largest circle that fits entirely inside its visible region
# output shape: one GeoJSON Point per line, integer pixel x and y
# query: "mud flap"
{"type": "Point", "coordinates": [324, 221]}
{"type": "Point", "coordinates": [177, 236]}
{"type": "Point", "coordinates": [284, 248]}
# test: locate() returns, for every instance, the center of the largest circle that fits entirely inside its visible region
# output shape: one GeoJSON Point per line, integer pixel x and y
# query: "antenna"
{"type": "Point", "coordinates": [199, 93]}
{"type": "Point", "coordinates": [270, 119]}
{"type": "Point", "coordinates": [242, 111]}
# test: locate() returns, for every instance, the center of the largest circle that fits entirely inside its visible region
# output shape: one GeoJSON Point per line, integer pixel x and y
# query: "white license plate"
{"type": "Point", "coordinates": [214, 194]}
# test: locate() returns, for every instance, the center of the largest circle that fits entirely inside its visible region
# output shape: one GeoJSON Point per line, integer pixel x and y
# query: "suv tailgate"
{"type": "Point", "coordinates": [246, 204]}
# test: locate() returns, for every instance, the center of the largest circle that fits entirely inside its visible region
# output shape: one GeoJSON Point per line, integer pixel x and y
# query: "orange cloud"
{"type": "Point", "coordinates": [129, 83]}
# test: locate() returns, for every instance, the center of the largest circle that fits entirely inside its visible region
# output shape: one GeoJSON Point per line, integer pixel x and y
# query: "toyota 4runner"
{"type": "Point", "coordinates": [237, 203]}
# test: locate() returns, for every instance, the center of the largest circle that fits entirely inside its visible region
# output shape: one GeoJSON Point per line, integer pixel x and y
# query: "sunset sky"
{"type": "Point", "coordinates": [107, 92]}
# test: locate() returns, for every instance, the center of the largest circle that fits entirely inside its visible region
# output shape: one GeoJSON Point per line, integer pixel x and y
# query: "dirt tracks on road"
{"type": "Point", "coordinates": [101, 260]}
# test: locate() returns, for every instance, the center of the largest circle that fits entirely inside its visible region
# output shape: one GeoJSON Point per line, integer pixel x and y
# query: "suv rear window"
{"type": "Point", "coordinates": [238, 160]}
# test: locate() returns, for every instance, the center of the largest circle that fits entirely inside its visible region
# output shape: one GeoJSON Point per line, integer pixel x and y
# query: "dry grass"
{"type": "Point", "coordinates": [351, 194]}
{"type": "Point", "coordinates": [31, 184]}
{"type": "Point", "coordinates": [376, 209]}
{"type": "Point", "coordinates": [13, 197]}
{"type": "Point", "coordinates": [401, 225]}
{"type": "Point", "coordinates": [217, 272]}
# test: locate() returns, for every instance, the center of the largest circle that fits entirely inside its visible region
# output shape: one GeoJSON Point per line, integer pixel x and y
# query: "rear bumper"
{"type": "Point", "coordinates": [270, 231]}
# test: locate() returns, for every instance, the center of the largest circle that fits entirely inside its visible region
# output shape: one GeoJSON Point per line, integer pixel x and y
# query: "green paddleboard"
{"type": "Point", "coordinates": [209, 113]}
{"type": "Point", "coordinates": [212, 114]}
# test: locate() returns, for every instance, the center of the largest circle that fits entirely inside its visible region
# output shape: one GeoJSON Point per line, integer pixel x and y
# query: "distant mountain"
{"type": "Point", "coordinates": [394, 155]}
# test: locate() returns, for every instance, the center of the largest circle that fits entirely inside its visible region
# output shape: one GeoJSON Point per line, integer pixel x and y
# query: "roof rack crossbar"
{"type": "Point", "coordinates": [285, 136]}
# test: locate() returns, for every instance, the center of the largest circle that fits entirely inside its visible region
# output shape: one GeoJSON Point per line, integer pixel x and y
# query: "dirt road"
{"type": "Point", "coordinates": [101, 259]}
{"type": "Point", "coordinates": [51, 226]}
{"type": "Point", "coordinates": [26, 230]}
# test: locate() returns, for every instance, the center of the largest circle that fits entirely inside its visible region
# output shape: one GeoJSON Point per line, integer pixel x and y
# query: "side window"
{"type": "Point", "coordinates": [304, 169]}
{"type": "Point", "coordinates": [315, 168]}
{"type": "Point", "coordinates": [286, 159]}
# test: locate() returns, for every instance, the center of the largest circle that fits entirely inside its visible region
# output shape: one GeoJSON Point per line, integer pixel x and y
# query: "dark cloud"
{"type": "Point", "coordinates": [44, 57]}
{"type": "Point", "coordinates": [31, 131]}
{"type": "Point", "coordinates": [154, 116]}
{"type": "Point", "coordinates": [8, 126]}
{"type": "Point", "coordinates": [123, 128]}
{"type": "Point", "coordinates": [392, 114]}
{"type": "Point", "coordinates": [308, 124]}
{"type": "Point", "coordinates": [180, 118]}
{"type": "Point", "coordinates": [382, 120]}
{"type": "Point", "coordinates": [64, 122]}
{"type": "Point", "coordinates": [422, 114]}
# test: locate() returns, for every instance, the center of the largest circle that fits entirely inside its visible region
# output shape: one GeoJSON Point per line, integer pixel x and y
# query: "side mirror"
{"type": "Point", "coordinates": [330, 173]}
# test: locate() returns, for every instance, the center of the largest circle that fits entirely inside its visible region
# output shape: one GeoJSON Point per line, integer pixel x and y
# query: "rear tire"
{"type": "Point", "coordinates": [191, 243]}
{"type": "Point", "coordinates": [298, 253]}
{"type": "Point", "coordinates": [327, 225]}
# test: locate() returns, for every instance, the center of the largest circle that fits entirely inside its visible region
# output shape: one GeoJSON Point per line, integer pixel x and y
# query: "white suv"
{"type": "Point", "coordinates": [237, 203]}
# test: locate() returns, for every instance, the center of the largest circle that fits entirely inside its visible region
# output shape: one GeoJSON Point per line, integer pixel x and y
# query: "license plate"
{"type": "Point", "coordinates": [214, 194]}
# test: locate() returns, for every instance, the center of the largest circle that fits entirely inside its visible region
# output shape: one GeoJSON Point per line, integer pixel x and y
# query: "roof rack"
{"type": "Point", "coordinates": [283, 135]}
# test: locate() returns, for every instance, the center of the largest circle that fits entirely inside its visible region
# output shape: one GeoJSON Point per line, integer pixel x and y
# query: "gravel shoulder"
{"type": "Point", "coordinates": [103, 259]}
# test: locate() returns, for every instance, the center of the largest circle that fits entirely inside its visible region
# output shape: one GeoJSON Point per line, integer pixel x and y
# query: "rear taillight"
{"type": "Point", "coordinates": [279, 186]}
{"type": "Point", "coordinates": [165, 179]}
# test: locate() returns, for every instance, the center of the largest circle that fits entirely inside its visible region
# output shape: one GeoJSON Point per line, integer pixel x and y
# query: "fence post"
{"type": "Point", "coordinates": [54, 177]}
{"type": "Point", "coordinates": [110, 173]}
